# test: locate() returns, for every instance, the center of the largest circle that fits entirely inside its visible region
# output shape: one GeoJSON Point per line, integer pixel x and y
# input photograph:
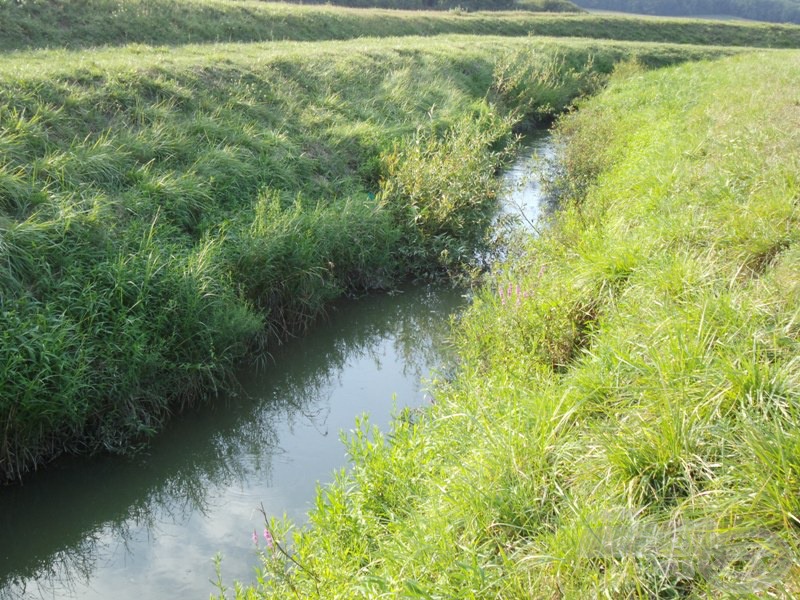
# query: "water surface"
{"type": "Point", "coordinates": [149, 526]}
{"type": "Point", "coordinates": [524, 198]}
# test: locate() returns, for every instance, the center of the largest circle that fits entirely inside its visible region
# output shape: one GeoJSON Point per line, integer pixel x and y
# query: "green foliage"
{"type": "Point", "coordinates": [292, 261]}
{"type": "Point", "coordinates": [624, 418]}
{"type": "Point", "coordinates": [543, 87]}
{"type": "Point", "coordinates": [164, 215]}
{"type": "Point", "coordinates": [442, 190]}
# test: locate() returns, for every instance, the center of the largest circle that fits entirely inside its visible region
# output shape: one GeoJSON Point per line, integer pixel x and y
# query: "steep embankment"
{"type": "Point", "coordinates": [626, 418]}
{"type": "Point", "coordinates": [91, 23]}
{"type": "Point", "coordinates": [164, 211]}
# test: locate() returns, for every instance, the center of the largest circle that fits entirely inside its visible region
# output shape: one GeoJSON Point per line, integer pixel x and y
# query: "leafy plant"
{"type": "Point", "coordinates": [442, 190]}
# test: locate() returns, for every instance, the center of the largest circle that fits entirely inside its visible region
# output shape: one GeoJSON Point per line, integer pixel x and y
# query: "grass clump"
{"type": "Point", "coordinates": [623, 421]}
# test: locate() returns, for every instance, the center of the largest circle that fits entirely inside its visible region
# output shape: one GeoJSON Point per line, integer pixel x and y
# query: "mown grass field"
{"type": "Point", "coordinates": [90, 23]}
{"type": "Point", "coordinates": [625, 419]}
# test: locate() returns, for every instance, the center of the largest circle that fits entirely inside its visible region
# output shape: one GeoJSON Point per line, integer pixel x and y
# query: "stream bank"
{"type": "Point", "coordinates": [149, 525]}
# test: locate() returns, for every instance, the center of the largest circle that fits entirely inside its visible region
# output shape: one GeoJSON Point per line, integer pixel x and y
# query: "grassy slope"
{"type": "Point", "coordinates": [485, 5]}
{"type": "Point", "coordinates": [776, 11]}
{"type": "Point", "coordinates": [162, 210]}
{"type": "Point", "coordinates": [42, 24]}
{"type": "Point", "coordinates": [626, 420]}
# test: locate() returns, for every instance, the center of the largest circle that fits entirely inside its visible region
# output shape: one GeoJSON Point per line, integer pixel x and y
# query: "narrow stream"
{"type": "Point", "coordinates": [149, 526]}
{"type": "Point", "coordinates": [524, 198]}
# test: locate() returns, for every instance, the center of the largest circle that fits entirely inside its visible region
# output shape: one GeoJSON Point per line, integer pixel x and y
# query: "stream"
{"type": "Point", "coordinates": [148, 526]}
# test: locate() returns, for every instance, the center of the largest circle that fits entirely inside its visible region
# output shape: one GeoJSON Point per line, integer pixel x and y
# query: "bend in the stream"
{"type": "Point", "coordinates": [149, 525]}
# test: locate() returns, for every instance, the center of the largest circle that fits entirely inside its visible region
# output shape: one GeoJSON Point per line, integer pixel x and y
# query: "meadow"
{"type": "Point", "coordinates": [92, 23]}
{"type": "Point", "coordinates": [777, 11]}
{"type": "Point", "coordinates": [624, 421]}
{"type": "Point", "coordinates": [171, 206]}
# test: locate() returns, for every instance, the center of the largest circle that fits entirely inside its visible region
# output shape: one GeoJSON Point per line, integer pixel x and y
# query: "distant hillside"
{"type": "Point", "coordinates": [777, 11]}
{"type": "Point", "coordinates": [90, 23]}
{"type": "Point", "coordinates": [529, 5]}
{"type": "Point", "coordinates": [95, 23]}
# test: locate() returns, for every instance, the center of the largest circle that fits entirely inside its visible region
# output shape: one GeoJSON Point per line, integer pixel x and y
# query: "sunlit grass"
{"type": "Point", "coordinates": [92, 23]}
{"type": "Point", "coordinates": [165, 213]}
{"type": "Point", "coordinates": [624, 420]}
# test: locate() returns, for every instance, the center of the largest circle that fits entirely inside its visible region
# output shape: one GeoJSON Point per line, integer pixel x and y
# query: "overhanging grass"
{"type": "Point", "coordinates": [624, 422]}
{"type": "Point", "coordinates": [164, 213]}
{"type": "Point", "coordinates": [90, 23]}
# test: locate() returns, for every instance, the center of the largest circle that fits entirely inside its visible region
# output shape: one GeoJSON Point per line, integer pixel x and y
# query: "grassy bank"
{"type": "Point", "coordinates": [625, 419]}
{"type": "Point", "coordinates": [90, 23]}
{"type": "Point", "coordinates": [777, 11]}
{"type": "Point", "coordinates": [165, 213]}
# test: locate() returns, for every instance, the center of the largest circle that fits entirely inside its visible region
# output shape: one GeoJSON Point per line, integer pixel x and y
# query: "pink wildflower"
{"type": "Point", "coordinates": [268, 539]}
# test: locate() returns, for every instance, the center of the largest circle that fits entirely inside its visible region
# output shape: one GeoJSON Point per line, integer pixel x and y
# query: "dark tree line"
{"type": "Point", "coordinates": [472, 5]}
{"type": "Point", "coordinates": [778, 11]}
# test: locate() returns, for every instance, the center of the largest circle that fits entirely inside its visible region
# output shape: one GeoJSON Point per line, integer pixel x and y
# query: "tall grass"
{"type": "Point", "coordinates": [165, 214]}
{"type": "Point", "coordinates": [624, 420]}
{"type": "Point", "coordinates": [436, 189]}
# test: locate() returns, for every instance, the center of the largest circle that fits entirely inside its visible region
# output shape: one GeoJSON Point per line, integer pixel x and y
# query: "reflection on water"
{"type": "Point", "coordinates": [148, 526]}
{"type": "Point", "coordinates": [524, 200]}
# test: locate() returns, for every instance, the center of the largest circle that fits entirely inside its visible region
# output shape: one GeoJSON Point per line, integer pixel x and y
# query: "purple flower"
{"type": "Point", "coordinates": [268, 539]}
{"type": "Point", "coordinates": [255, 537]}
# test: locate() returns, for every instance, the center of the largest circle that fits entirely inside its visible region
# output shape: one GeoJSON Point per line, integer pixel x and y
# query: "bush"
{"type": "Point", "coordinates": [442, 190]}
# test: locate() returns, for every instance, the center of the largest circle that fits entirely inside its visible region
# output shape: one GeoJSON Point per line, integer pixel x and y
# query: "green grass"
{"type": "Point", "coordinates": [90, 23]}
{"type": "Point", "coordinates": [624, 421]}
{"type": "Point", "coordinates": [165, 213]}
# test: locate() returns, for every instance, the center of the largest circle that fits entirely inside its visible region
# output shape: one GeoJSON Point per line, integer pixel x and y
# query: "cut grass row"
{"type": "Point", "coordinates": [90, 23]}
{"type": "Point", "coordinates": [625, 421]}
{"type": "Point", "coordinates": [165, 213]}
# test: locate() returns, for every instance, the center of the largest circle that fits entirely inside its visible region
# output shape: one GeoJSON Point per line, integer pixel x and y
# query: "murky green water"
{"type": "Point", "coordinates": [524, 197]}
{"type": "Point", "coordinates": [149, 526]}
